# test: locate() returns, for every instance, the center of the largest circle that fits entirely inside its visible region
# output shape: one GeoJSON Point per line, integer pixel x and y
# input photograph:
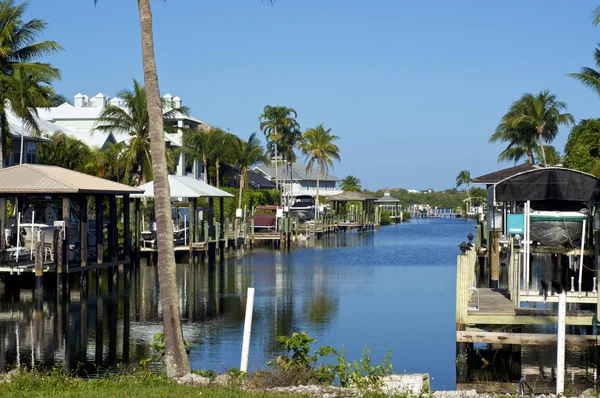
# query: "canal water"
{"type": "Point", "coordinates": [393, 289]}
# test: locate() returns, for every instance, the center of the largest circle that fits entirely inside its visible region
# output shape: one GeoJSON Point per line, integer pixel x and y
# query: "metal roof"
{"type": "Point", "coordinates": [497, 176]}
{"type": "Point", "coordinates": [184, 187]}
{"type": "Point", "coordinates": [351, 196]}
{"type": "Point", "coordinates": [41, 179]}
{"type": "Point", "coordinates": [299, 173]}
{"type": "Point", "coordinates": [387, 199]}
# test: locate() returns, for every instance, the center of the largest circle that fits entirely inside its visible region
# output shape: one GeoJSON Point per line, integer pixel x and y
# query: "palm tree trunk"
{"type": "Point", "coordinates": [540, 131]}
{"type": "Point", "coordinates": [530, 157]}
{"type": "Point", "coordinates": [317, 198]}
{"type": "Point", "coordinates": [22, 139]}
{"type": "Point", "coordinates": [242, 182]}
{"type": "Point", "coordinates": [3, 135]}
{"type": "Point", "coordinates": [276, 174]}
{"type": "Point", "coordinates": [177, 363]}
{"type": "Point", "coordinates": [205, 166]}
{"type": "Point", "coordinates": [217, 173]}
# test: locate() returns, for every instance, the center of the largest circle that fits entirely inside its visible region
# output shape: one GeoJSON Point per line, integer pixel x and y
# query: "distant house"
{"type": "Point", "coordinates": [302, 182]}
{"type": "Point", "coordinates": [256, 180]}
{"type": "Point", "coordinates": [80, 119]}
{"type": "Point", "coordinates": [30, 141]}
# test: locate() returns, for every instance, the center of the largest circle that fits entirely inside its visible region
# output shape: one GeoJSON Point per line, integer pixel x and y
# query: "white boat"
{"type": "Point", "coordinates": [556, 228]}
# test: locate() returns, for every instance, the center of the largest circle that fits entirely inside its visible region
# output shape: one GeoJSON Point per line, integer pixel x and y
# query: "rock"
{"type": "Point", "coordinates": [194, 380]}
{"type": "Point", "coordinates": [412, 383]}
{"type": "Point", "coordinates": [223, 380]}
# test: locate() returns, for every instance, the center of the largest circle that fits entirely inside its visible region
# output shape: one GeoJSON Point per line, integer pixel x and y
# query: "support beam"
{"type": "Point", "coordinates": [494, 259]}
{"type": "Point", "coordinates": [538, 339]}
{"type": "Point", "coordinates": [66, 211]}
{"type": "Point", "coordinates": [138, 227]}
{"type": "Point", "coordinates": [99, 239]}
{"type": "Point", "coordinates": [83, 228]}
{"type": "Point", "coordinates": [127, 226]}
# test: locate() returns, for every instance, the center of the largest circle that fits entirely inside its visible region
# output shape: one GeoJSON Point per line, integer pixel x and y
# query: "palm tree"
{"type": "Point", "coordinates": [246, 154]}
{"type": "Point", "coordinates": [317, 144]}
{"type": "Point", "coordinates": [464, 178]}
{"type": "Point", "coordinates": [18, 48]}
{"type": "Point", "coordinates": [134, 120]}
{"type": "Point", "coordinates": [196, 146]}
{"type": "Point", "coordinates": [220, 144]}
{"type": "Point", "coordinates": [351, 184]}
{"type": "Point", "coordinates": [177, 363]}
{"type": "Point", "coordinates": [65, 151]}
{"type": "Point", "coordinates": [279, 125]}
{"type": "Point", "coordinates": [25, 89]}
{"type": "Point", "coordinates": [541, 112]}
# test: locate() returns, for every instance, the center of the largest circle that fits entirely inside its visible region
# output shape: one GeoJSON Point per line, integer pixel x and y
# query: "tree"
{"type": "Point", "coordinates": [18, 48]}
{"type": "Point", "coordinates": [177, 363]}
{"type": "Point", "coordinates": [65, 151]}
{"type": "Point", "coordinates": [541, 112]}
{"type": "Point", "coordinates": [582, 151]}
{"type": "Point", "coordinates": [196, 146]}
{"type": "Point", "coordinates": [553, 156]}
{"type": "Point", "coordinates": [351, 184]}
{"type": "Point", "coordinates": [134, 120]}
{"type": "Point", "coordinates": [464, 178]}
{"type": "Point", "coordinates": [317, 144]}
{"type": "Point", "coordinates": [521, 139]}
{"type": "Point", "coordinates": [279, 125]}
{"type": "Point", "coordinates": [25, 89]}
{"type": "Point", "coordinates": [220, 144]}
{"type": "Point", "coordinates": [246, 154]}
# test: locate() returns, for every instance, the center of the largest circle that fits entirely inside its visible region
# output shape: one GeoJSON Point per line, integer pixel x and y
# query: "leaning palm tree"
{"type": "Point", "coordinates": [350, 184]}
{"type": "Point", "coordinates": [279, 125]}
{"type": "Point", "coordinates": [464, 178]}
{"type": "Point", "coordinates": [133, 119]}
{"type": "Point", "coordinates": [246, 154]}
{"type": "Point", "coordinates": [317, 144]}
{"type": "Point", "coordinates": [18, 48]}
{"type": "Point", "coordinates": [25, 89]}
{"type": "Point", "coordinates": [541, 112]}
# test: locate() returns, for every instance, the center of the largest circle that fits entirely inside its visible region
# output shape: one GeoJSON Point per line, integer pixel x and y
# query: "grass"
{"type": "Point", "coordinates": [145, 384]}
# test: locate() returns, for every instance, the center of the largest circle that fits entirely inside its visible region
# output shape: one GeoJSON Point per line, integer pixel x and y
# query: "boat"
{"type": "Point", "coordinates": [303, 208]}
{"type": "Point", "coordinates": [556, 228]}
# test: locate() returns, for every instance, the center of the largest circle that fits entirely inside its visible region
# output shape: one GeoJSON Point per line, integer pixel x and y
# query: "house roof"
{"type": "Point", "coordinates": [298, 172]}
{"type": "Point", "coordinates": [387, 199]}
{"type": "Point", "coordinates": [351, 196]}
{"type": "Point", "coordinates": [500, 175]}
{"type": "Point", "coordinates": [255, 179]}
{"type": "Point", "coordinates": [41, 179]}
{"type": "Point", "coordinates": [185, 187]}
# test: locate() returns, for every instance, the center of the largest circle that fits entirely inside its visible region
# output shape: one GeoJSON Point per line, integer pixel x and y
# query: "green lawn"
{"type": "Point", "coordinates": [146, 386]}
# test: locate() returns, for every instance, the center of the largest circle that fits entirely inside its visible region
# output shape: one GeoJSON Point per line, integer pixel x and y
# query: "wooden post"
{"type": "Point", "coordinates": [2, 222]}
{"type": "Point", "coordinates": [99, 240]}
{"type": "Point", "coordinates": [463, 271]}
{"type": "Point", "coordinates": [113, 246]}
{"type": "Point", "coordinates": [138, 227]}
{"type": "Point", "coordinates": [195, 220]}
{"type": "Point", "coordinates": [39, 263]}
{"type": "Point", "coordinates": [511, 265]}
{"type": "Point", "coordinates": [494, 259]}
{"type": "Point", "coordinates": [67, 220]}
{"type": "Point", "coordinates": [127, 231]}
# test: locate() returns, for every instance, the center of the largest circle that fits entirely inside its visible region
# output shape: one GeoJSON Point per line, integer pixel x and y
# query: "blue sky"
{"type": "Point", "coordinates": [413, 89]}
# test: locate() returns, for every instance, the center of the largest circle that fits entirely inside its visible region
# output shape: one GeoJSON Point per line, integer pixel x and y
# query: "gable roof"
{"type": "Point", "coordinates": [350, 196]}
{"type": "Point", "coordinates": [497, 176]}
{"type": "Point", "coordinates": [41, 179]}
{"type": "Point", "coordinates": [185, 187]}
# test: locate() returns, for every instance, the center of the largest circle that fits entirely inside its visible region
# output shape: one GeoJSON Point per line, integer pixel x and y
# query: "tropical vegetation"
{"type": "Point", "coordinates": [464, 178]}
{"type": "Point", "coordinates": [350, 184]}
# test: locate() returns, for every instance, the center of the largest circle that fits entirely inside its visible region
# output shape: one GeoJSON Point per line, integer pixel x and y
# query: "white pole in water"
{"type": "Point", "coordinates": [32, 236]}
{"type": "Point", "coordinates": [581, 255]}
{"type": "Point", "coordinates": [247, 330]}
{"type": "Point", "coordinates": [184, 230]}
{"type": "Point", "coordinates": [18, 234]}
{"type": "Point", "coordinates": [560, 348]}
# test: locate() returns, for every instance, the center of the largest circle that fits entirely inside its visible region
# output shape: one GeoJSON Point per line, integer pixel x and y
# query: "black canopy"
{"type": "Point", "coordinates": [551, 183]}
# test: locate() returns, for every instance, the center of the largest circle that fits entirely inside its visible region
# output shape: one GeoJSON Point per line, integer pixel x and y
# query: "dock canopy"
{"type": "Point", "coordinates": [497, 176]}
{"type": "Point", "coordinates": [46, 180]}
{"type": "Point", "coordinates": [351, 197]}
{"type": "Point", "coordinates": [185, 187]}
{"type": "Point", "coordinates": [550, 183]}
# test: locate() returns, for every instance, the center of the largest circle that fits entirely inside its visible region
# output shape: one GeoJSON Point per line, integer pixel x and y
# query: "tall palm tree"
{"type": "Point", "coordinates": [177, 363]}
{"type": "Point", "coordinates": [134, 120]}
{"type": "Point", "coordinates": [25, 89]}
{"type": "Point", "coordinates": [464, 178]}
{"type": "Point", "coordinates": [195, 146]}
{"type": "Point", "coordinates": [350, 184]}
{"type": "Point", "coordinates": [246, 154]}
{"type": "Point", "coordinates": [543, 112]}
{"type": "Point", "coordinates": [279, 125]}
{"type": "Point", "coordinates": [220, 144]}
{"type": "Point", "coordinates": [18, 47]}
{"type": "Point", "coordinates": [317, 144]}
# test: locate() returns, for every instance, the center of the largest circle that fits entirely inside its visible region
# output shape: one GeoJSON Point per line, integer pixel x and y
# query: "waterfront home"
{"type": "Point", "coordinates": [30, 140]}
{"type": "Point", "coordinates": [231, 179]}
{"type": "Point", "coordinates": [80, 118]}
{"type": "Point", "coordinates": [295, 180]}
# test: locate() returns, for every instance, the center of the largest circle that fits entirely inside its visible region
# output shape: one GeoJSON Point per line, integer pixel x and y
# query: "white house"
{"type": "Point", "coordinates": [295, 180]}
{"type": "Point", "coordinates": [80, 119]}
